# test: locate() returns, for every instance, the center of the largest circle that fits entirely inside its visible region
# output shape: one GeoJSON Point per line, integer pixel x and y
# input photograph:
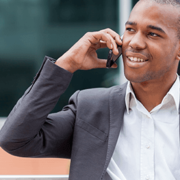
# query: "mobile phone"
{"type": "Point", "coordinates": [113, 58]}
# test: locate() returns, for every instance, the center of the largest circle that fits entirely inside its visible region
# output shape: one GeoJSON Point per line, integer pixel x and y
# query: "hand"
{"type": "Point", "coordinates": [82, 55]}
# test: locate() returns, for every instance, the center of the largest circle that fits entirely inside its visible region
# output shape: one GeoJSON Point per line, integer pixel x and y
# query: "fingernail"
{"type": "Point", "coordinates": [111, 46]}
{"type": "Point", "coordinates": [114, 66]}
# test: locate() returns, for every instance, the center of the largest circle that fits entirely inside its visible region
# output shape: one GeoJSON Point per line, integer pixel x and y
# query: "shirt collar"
{"type": "Point", "coordinates": [174, 92]}
{"type": "Point", "coordinates": [129, 92]}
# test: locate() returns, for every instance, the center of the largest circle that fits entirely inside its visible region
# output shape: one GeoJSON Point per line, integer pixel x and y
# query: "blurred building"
{"type": "Point", "coordinates": [31, 29]}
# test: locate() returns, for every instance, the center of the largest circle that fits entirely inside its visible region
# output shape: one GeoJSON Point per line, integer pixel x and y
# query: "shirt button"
{"type": "Point", "coordinates": [147, 177]}
{"type": "Point", "coordinates": [148, 146]}
{"type": "Point", "coordinates": [147, 116]}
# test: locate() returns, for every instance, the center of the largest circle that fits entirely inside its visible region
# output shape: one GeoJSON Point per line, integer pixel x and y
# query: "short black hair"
{"type": "Point", "coordinates": [175, 3]}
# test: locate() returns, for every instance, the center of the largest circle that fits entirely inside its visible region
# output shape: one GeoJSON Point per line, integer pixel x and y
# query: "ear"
{"type": "Point", "coordinates": [178, 54]}
{"type": "Point", "coordinates": [178, 57]}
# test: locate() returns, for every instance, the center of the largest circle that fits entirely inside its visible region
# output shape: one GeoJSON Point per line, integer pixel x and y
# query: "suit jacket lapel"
{"type": "Point", "coordinates": [117, 108]}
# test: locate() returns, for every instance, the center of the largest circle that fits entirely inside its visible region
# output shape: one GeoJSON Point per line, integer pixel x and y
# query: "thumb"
{"type": "Point", "coordinates": [101, 63]}
{"type": "Point", "coordinates": [114, 65]}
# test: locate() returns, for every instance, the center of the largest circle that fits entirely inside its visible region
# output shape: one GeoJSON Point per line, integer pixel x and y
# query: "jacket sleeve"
{"type": "Point", "coordinates": [30, 131]}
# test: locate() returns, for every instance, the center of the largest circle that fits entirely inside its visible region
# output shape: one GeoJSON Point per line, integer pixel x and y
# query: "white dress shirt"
{"type": "Point", "coordinates": [148, 146]}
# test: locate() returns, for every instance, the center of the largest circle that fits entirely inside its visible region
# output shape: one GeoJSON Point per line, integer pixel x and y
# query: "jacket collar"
{"type": "Point", "coordinates": [117, 108]}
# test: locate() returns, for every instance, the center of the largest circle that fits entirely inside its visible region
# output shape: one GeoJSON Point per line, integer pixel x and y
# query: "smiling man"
{"type": "Point", "coordinates": [127, 132]}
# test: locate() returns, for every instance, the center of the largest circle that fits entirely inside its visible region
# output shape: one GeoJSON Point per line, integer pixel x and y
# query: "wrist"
{"type": "Point", "coordinates": [66, 63]}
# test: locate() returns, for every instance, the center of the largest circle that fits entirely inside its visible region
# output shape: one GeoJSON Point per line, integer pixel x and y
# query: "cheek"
{"type": "Point", "coordinates": [163, 55]}
{"type": "Point", "coordinates": [164, 49]}
{"type": "Point", "coordinates": [124, 48]}
{"type": "Point", "coordinates": [159, 52]}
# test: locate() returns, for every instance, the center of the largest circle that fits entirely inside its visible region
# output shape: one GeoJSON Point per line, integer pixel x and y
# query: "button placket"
{"type": "Point", "coordinates": [147, 147]}
{"type": "Point", "coordinates": [147, 177]}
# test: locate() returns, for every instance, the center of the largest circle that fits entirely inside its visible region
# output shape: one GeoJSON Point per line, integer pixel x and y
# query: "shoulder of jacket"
{"type": "Point", "coordinates": [100, 93]}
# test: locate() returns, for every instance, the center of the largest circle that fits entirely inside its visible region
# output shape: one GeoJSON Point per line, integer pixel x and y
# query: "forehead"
{"type": "Point", "coordinates": [147, 12]}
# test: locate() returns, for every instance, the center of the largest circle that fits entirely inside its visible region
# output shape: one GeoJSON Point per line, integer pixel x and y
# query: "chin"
{"type": "Point", "coordinates": [135, 77]}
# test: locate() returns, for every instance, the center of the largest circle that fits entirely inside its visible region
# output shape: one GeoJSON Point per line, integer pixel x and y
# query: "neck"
{"type": "Point", "coordinates": [151, 93]}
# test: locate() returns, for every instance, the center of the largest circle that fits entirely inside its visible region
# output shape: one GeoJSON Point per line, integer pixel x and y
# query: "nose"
{"type": "Point", "coordinates": [137, 42]}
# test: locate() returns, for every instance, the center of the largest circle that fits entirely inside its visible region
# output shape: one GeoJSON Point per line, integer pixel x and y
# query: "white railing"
{"type": "Point", "coordinates": [30, 177]}
{"type": "Point", "coordinates": [34, 177]}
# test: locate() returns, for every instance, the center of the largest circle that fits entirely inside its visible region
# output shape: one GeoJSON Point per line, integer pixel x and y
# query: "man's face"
{"type": "Point", "coordinates": [150, 43]}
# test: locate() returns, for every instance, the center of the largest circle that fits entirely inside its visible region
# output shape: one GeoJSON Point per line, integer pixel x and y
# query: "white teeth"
{"type": "Point", "coordinates": [136, 59]}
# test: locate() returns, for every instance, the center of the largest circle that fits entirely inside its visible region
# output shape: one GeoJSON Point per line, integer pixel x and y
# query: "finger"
{"type": "Point", "coordinates": [100, 45]}
{"type": "Point", "coordinates": [106, 38]}
{"type": "Point", "coordinates": [112, 41]}
{"type": "Point", "coordinates": [115, 35]}
{"type": "Point", "coordinates": [95, 37]}
{"type": "Point", "coordinates": [101, 63]}
{"type": "Point", "coordinates": [114, 65]}
{"type": "Point", "coordinates": [117, 39]}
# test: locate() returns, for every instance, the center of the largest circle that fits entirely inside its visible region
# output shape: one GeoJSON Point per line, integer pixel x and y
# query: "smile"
{"type": "Point", "coordinates": [136, 59]}
{"type": "Point", "coordinates": [136, 62]}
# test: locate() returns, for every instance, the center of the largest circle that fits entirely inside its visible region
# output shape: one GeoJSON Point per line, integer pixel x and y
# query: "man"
{"type": "Point", "coordinates": [127, 132]}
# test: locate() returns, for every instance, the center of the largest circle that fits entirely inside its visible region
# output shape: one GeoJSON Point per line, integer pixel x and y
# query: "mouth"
{"type": "Point", "coordinates": [136, 59]}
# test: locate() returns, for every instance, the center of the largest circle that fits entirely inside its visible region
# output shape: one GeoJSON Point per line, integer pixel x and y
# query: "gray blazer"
{"type": "Point", "coordinates": [85, 131]}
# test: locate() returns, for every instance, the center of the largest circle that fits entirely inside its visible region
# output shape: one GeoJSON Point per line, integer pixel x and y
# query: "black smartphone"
{"type": "Point", "coordinates": [113, 58]}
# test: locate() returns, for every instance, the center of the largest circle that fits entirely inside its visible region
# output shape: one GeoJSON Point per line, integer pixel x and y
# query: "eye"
{"type": "Point", "coordinates": [153, 34]}
{"type": "Point", "coordinates": [130, 29]}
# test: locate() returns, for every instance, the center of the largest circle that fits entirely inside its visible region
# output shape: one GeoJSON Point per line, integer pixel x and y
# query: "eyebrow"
{"type": "Point", "coordinates": [149, 26]}
{"type": "Point", "coordinates": [130, 23]}
{"type": "Point", "coordinates": [156, 28]}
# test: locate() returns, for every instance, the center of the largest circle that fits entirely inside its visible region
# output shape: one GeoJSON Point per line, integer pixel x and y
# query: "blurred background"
{"type": "Point", "coordinates": [31, 29]}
